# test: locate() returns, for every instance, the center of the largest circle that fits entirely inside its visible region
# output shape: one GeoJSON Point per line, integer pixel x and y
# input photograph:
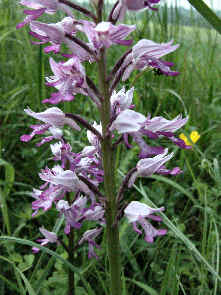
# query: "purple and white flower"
{"type": "Point", "coordinates": [50, 237]}
{"type": "Point", "coordinates": [133, 5]}
{"type": "Point", "coordinates": [45, 199]}
{"type": "Point", "coordinates": [147, 54]}
{"type": "Point", "coordinates": [66, 179]}
{"type": "Point", "coordinates": [137, 213]}
{"type": "Point", "coordinates": [39, 7]}
{"type": "Point", "coordinates": [54, 120]}
{"type": "Point", "coordinates": [147, 167]}
{"type": "Point", "coordinates": [69, 79]}
{"type": "Point", "coordinates": [105, 34]}
{"type": "Point", "coordinates": [55, 33]}
{"type": "Point", "coordinates": [90, 236]}
{"type": "Point", "coordinates": [74, 214]}
{"type": "Point", "coordinates": [128, 121]}
{"type": "Point", "coordinates": [121, 100]}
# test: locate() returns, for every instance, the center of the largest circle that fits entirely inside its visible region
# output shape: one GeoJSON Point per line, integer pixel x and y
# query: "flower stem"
{"type": "Point", "coordinates": [71, 284]}
{"type": "Point", "coordinates": [108, 155]}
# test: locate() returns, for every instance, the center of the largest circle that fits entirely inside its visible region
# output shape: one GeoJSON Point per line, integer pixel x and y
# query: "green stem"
{"type": "Point", "coordinates": [207, 13]}
{"type": "Point", "coordinates": [71, 285]}
{"type": "Point", "coordinates": [40, 75]}
{"type": "Point", "coordinates": [108, 155]}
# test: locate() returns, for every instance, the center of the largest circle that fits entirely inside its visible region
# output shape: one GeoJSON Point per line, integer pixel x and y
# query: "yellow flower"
{"type": "Point", "coordinates": [194, 136]}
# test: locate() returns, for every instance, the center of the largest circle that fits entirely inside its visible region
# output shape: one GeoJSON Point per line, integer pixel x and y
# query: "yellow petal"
{"type": "Point", "coordinates": [185, 139]}
{"type": "Point", "coordinates": [194, 136]}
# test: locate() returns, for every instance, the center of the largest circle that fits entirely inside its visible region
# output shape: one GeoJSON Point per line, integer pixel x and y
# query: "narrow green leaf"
{"type": "Point", "coordinates": [207, 13]}
{"type": "Point", "coordinates": [52, 253]}
{"type": "Point", "coordinates": [26, 282]}
{"type": "Point", "coordinates": [175, 185]}
{"type": "Point", "coordinates": [182, 237]}
{"type": "Point", "coordinates": [11, 285]}
{"type": "Point", "coordinates": [144, 287]}
{"type": "Point", "coordinates": [5, 190]}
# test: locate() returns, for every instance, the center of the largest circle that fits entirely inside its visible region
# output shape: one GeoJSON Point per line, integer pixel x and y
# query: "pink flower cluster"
{"type": "Point", "coordinates": [74, 185]}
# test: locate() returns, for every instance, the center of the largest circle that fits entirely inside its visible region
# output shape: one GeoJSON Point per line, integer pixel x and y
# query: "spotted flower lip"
{"type": "Point", "coordinates": [78, 211]}
{"type": "Point", "coordinates": [45, 199]}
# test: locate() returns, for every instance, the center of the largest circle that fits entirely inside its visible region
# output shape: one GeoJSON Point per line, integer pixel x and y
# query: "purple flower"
{"type": "Point", "coordinates": [54, 119]}
{"type": "Point", "coordinates": [39, 7]}
{"type": "Point", "coordinates": [62, 152]}
{"type": "Point", "coordinates": [69, 79]}
{"type": "Point", "coordinates": [139, 4]}
{"type": "Point", "coordinates": [137, 212]}
{"type": "Point", "coordinates": [146, 150]}
{"type": "Point", "coordinates": [54, 33]}
{"type": "Point", "coordinates": [66, 179]}
{"type": "Point", "coordinates": [147, 167]}
{"type": "Point", "coordinates": [90, 236]}
{"type": "Point", "coordinates": [147, 53]}
{"type": "Point", "coordinates": [128, 121]}
{"type": "Point", "coordinates": [95, 213]}
{"type": "Point", "coordinates": [105, 34]}
{"type": "Point", "coordinates": [50, 237]}
{"type": "Point", "coordinates": [45, 199]}
{"type": "Point", "coordinates": [133, 5]}
{"type": "Point", "coordinates": [159, 126]}
{"type": "Point", "coordinates": [92, 138]}
{"type": "Point", "coordinates": [74, 214]}
{"type": "Point", "coordinates": [121, 100]}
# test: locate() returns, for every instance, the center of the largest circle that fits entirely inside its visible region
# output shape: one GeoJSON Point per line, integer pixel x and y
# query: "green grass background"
{"type": "Point", "coordinates": [185, 261]}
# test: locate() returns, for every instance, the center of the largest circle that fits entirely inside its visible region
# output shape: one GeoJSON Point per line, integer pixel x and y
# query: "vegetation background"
{"type": "Point", "coordinates": [187, 260]}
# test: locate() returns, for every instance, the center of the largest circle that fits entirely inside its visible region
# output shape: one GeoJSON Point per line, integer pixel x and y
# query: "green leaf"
{"type": "Point", "coordinates": [207, 13]}
{"type": "Point", "coordinates": [144, 287]}
{"type": "Point", "coordinates": [5, 190]}
{"type": "Point", "coordinates": [53, 254]}
{"type": "Point", "coordinates": [26, 282]}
